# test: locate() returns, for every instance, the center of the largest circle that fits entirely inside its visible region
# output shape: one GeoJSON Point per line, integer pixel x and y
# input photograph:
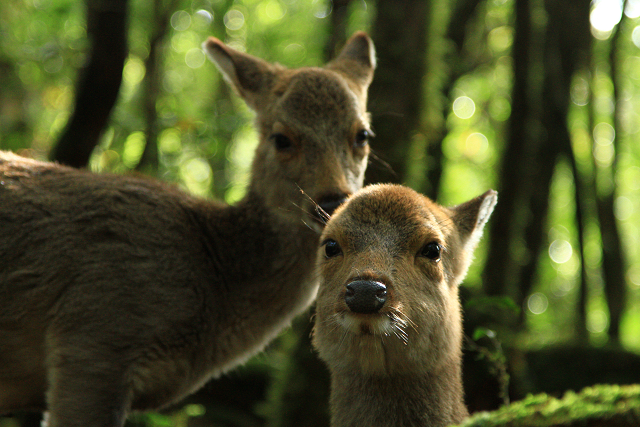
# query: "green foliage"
{"type": "Point", "coordinates": [179, 418]}
{"type": "Point", "coordinates": [604, 403]}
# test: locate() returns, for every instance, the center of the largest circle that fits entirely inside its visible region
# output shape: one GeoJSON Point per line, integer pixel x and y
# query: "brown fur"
{"type": "Point", "coordinates": [120, 292]}
{"type": "Point", "coordinates": [399, 365]}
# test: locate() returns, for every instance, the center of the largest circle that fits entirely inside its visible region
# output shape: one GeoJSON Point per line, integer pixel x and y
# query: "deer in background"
{"type": "Point", "coordinates": [388, 319]}
{"type": "Point", "coordinates": [122, 293]}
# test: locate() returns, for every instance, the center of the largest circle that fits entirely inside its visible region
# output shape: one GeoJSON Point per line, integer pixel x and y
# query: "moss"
{"type": "Point", "coordinates": [614, 404]}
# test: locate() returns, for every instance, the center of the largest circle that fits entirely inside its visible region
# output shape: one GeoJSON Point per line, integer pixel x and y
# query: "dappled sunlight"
{"type": "Point", "coordinates": [605, 15]}
{"type": "Point", "coordinates": [464, 107]}
{"type": "Point", "coordinates": [560, 251]}
{"type": "Point", "coordinates": [537, 303]}
{"type": "Point", "coordinates": [234, 19]}
{"type": "Point", "coordinates": [196, 174]}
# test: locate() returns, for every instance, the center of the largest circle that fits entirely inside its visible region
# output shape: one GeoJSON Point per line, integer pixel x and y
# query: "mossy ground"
{"type": "Point", "coordinates": [602, 405]}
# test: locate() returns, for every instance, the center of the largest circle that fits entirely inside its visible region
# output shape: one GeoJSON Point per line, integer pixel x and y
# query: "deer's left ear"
{"type": "Point", "coordinates": [357, 59]}
{"type": "Point", "coordinates": [473, 215]}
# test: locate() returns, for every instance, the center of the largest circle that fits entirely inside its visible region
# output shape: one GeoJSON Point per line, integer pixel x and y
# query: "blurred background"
{"type": "Point", "coordinates": [537, 99]}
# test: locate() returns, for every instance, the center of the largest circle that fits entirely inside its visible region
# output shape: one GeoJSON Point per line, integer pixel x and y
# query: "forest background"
{"type": "Point", "coordinates": [537, 99]}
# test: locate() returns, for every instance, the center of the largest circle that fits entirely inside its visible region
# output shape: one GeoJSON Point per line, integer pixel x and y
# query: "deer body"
{"type": "Point", "coordinates": [388, 320]}
{"type": "Point", "coordinates": [121, 293]}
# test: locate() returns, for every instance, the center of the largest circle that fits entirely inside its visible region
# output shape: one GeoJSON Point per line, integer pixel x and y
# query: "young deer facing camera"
{"type": "Point", "coordinates": [121, 293]}
{"type": "Point", "coordinates": [388, 321]}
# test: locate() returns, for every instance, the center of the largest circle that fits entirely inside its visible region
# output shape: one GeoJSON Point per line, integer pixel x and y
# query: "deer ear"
{"type": "Point", "coordinates": [248, 75]}
{"type": "Point", "coordinates": [473, 215]}
{"type": "Point", "coordinates": [357, 59]}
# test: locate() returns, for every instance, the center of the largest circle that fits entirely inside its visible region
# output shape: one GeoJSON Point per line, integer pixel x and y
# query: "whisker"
{"type": "Point", "coordinates": [322, 215]}
{"type": "Point", "coordinates": [308, 214]}
{"type": "Point", "coordinates": [398, 326]}
{"type": "Point", "coordinates": [343, 339]}
{"type": "Point", "coordinates": [308, 226]}
{"type": "Point", "coordinates": [402, 337]}
{"type": "Point", "coordinates": [401, 334]}
{"type": "Point", "coordinates": [289, 210]}
{"type": "Point", "coordinates": [385, 165]}
{"type": "Point", "coordinates": [299, 208]}
{"type": "Point", "coordinates": [406, 319]}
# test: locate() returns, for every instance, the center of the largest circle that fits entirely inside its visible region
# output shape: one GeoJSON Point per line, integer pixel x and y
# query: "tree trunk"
{"type": "Point", "coordinates": [395, 96]}
{"type": "Point", "coordinates": [502, 267]}
{"type": "Point", "coordinates": [584, 192]}
{"type": "Point", "coordinates": [151, 85]}
{"type": "Point", "coordinates": [567, 45]}
{"type": "Point", "coordinates": [99, 82]}
{"type": "Point", "coordinates": [613, 266]}
{"type": "Point", "coordinates": [530, 159]}
{"type": "Point", "coordinates": [337, 29]}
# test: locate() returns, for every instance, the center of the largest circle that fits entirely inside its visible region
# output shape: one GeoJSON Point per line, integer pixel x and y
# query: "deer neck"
{"type": "Point", "coordinates": [430, 399]}
{"type": "Point", "coordinates": [262, 265]}
{"type": "Point", "coordinates": [249, 242]}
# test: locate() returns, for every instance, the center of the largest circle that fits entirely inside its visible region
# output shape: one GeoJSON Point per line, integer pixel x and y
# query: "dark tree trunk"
{"type": "Point", "coordinates": [567, 43]}
{"type": "Point", "coordinates": [613, 266]}
{"type": "Point", "coordinates": [98, 84]}
{"type": "Point", "coordinates": [395, 96]}
{"type": "Point", "coordinates": [502, 267]}
{"type": "Point", "coordinates": [337, 29]}
{"type": "Point", "coordinates": [584, 192]}
{"type": "Point", "coordinates": [530, 157]}
{"type": "Point", "coordinates": [151, 85]}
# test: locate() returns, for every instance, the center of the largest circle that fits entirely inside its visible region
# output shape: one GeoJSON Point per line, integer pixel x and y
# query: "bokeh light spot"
{"type": "Point", "coordinates": [560, 251]}
{"type": "Point", "coordinates": [464, 107]}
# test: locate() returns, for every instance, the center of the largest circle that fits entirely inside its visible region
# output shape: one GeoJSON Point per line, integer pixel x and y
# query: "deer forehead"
{"type": "Point", "coordinates": [316, 96]}
{"type": "Point", "coordinates": [394, 219]}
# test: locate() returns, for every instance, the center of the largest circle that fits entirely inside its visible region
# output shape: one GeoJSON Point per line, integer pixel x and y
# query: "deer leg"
{"type": "Point", "coordinates": [91, 392]}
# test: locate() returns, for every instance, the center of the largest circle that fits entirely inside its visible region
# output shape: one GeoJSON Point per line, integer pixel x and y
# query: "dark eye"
{"type": "Point", "coordinates": [331, 248]}
{"type": "Point", "coordinates": [281, 141]}
{"type": "Point", "coordinates": [431, 251]}
{"type": "Point", "coordinates": [362, 137]}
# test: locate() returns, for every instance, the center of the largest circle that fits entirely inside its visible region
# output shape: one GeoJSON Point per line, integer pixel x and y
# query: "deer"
{"type": "Point", "coordinates": [122, 293]}
{"type": "Point", "coordinates": [388, 320]}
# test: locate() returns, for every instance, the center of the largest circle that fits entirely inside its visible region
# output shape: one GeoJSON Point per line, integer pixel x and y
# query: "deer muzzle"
{"type": "Point", "coordinates": [365, 296]}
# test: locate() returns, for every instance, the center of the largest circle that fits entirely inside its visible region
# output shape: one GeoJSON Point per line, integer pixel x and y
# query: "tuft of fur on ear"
{"type": "Point", "coordinates": [248, 75]}
{"type": "Point", "coordinates": [357, 59]}
{"type": "Point", "coordinates": [473, 215]}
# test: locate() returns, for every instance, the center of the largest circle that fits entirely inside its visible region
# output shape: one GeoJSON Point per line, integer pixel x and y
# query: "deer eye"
{"type": "Point", "coordinates": [331, 248]}
{"type": "Point", "coordinates": [431, 250]}
{"type": "Point", "coordinates": [281, 141]}
{"type": "Point", "coordinates": [362, 137]}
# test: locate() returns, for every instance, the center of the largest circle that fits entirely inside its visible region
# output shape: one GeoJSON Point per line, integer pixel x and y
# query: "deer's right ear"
{"type": "Point", "coordinates": [357, 59]}
{"type": "Point", "coordinates": [248, 75]}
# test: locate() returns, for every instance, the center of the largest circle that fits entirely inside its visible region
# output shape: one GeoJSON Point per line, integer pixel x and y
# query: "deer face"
{"type": "Point", "coordinates": [390, 264]}
{"type": "Point", "coordinates": [313, 124]}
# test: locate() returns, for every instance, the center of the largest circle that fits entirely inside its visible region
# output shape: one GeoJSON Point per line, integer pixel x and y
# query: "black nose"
{"type": "Point", "coordinates": [365, 296]}
{"type": "Point", "coordinates": [329, 204]}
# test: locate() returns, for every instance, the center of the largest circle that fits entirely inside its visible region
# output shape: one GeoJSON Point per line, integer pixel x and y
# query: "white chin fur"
{"type": "Point", "coordinates": [366, 324]}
